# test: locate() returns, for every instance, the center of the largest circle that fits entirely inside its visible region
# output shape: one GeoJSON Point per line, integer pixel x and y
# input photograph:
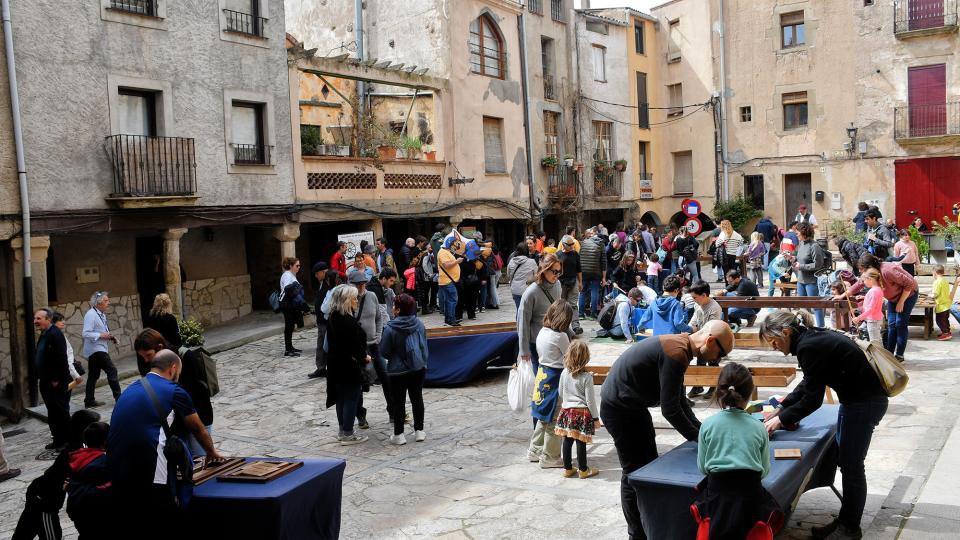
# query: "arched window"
{"type": "Point", "coordinates": [486, 48]}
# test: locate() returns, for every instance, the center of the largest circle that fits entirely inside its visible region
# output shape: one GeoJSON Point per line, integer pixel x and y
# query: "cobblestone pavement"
{"type": "Point", "coordinates": [469, 479]}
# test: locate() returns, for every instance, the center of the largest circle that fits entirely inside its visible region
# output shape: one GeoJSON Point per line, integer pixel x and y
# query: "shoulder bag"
{"type": "Point", "coordinates": [177, 454]}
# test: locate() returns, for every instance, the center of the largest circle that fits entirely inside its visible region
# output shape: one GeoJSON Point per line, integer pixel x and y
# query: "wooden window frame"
{"type": "Point", "coordinates": [501, 168]}
{"type": "Point", "coordinates": [603, 64]}
{"type": "Point", "coordinates": [746, 113]}
{"type": "Point", "coordinates": [484, 21]}
{"type": "Point", "coordinates": [792, 103]}
{"type": "Point", "coordinates": [639, 38]}
{"type": "Point", "coordinates": [551, 138]}
{"type": "Point", "coordinates": [603, 132]}
{"type": "Point", "coordinates": [792, 20]}
{"type": "Point", "coordinates": [150, 101]}
{"type": "Point", "coordinates": [674, 110]}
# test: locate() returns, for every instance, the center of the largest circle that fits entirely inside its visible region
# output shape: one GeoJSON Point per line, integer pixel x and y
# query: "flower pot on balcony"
{"type": "Point", "coordinates": [568, 162]}
{"type": "Point", "coordinates": [430, 156]}
{"type": "Point", "coordinates": [387, 152]}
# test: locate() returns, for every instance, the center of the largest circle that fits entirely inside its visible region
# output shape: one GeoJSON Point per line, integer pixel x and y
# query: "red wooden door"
{"type": "Point", "coordinates": [913, 188]}
{"type": "Point", "coordinates": [925, 14]}
{"type": "Point", "coordinates": [946, 187]}
{"type": "Point", "coordinates": [927, 95]}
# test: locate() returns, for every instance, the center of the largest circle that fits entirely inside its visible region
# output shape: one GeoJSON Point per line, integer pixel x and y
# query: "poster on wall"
{"type": "Point", "coordinates": [646, 189]}
{"type": "Point", "coordinates": [353, 241]}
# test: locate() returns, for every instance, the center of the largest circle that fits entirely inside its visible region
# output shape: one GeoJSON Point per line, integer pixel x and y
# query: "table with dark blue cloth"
{"type": "Point", "coordinates": [665, 487]}
{"type": "Point", "coordinates": [304, 503]}
{"type": "Point", "coordinates": [459, 359]}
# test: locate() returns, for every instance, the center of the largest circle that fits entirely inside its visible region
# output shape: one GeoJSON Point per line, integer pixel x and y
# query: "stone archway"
{"type": "Point", "coordinates": [651, 219]}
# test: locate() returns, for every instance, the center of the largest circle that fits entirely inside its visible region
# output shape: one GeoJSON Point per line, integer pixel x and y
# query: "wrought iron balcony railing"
{"type": "Point", "coordinates": [924, 15]}
{"type": "Point", "coordinates": [549, 87]}
{"type": "Point", "coordinates": [607, 180]}
{"type": "Point", "coordinates": [936, 120]}
{"type": "Point", "coordinates": [245, 23]}
{"type": "Point", "coordinates": [152, 166]}
{"type": "Point", "coordinates": [140, 7]}
{"type": "Point", "coordinates": [251, 154]}
{"type": "Point", "coordinates": [563, 183]}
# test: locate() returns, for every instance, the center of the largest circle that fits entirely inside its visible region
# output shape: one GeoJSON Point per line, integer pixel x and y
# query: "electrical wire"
{"type": "Point", "coordinates": [704, 107]}
{"type": "Point", "coordinates": [648, 108]}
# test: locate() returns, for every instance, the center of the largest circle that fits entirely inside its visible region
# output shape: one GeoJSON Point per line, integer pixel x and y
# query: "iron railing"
{"type": "Point", "coordinates": [556, 11]}
{"type": "Point", "coordinates": [152, 166]}
{"type": "Point", "coordinates": [913, 15]}
{"type": "Point", "coordinates": [607, 180]}
{"type": "Point", "coordinates": [251, 154]}
{"type": "Point", "coordinates": [536, 6]}
{"type": "Point", "coordinates": [245, 23]}
{"type": "Point", "coordinates": [140, 7]}
{"type": "Point", "coordinates": [549, 87]}
{"type": "Point", "coordinates": [562, 183]}
{"type": "Point", "coordinates": [934, 120]}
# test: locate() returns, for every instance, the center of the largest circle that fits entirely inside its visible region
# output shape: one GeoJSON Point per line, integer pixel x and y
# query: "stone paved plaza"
{"type": "Point", "coordinates": [469, 479]}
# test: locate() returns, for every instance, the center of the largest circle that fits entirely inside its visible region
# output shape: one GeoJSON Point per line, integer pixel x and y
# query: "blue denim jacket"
{"type": "Point", "coordinates": [404, 345]}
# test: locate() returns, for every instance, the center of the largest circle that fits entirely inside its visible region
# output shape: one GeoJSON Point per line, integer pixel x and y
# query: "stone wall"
{"type": "Point", "coordinates": [217, 300]}
{"type": "Point", "coordinates": [123, 319]}
{"type": "Point", "coordinates": [6, 363]}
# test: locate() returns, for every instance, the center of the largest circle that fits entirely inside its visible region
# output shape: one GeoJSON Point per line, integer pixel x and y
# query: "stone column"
{"type": "Point", "coordinates": [287, 235]}
{"type": "Point", "coordinates": [39, 246]}
{"type": "Point", "coordinates": [24, 392]}
{"type": "Point", "coordinates": [171, 268]}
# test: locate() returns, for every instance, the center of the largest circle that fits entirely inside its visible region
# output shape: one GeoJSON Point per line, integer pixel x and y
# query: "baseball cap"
{"type": "Point", "coordinates": [357, 277]}
{"type": "Point", "coordinates": [568, 240]}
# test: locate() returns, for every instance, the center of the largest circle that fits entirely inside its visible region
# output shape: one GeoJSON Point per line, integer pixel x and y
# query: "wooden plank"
{"type": "Point", "coordinates": [763, 377]}
{"type": "Point", "coordinates": [472, 329]}
{"type": "Point", "coordinates": [759, 370]}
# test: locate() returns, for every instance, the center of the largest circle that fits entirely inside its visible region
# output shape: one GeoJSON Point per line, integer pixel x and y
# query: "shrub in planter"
{"type": "Point", "coordinates": [739, 210]}
{"type": "Point", "coordinates": [549, 161]}
{"type": "Point", "coordinates": [620, 165]}
{"type": "Point", "coordinates": [191, 332]}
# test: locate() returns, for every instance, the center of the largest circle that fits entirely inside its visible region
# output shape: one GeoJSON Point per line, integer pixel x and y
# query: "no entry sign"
{"type": "Point", "coordinates": [693, 226]}
{"type": "Point", "coordinates": [690, 207]}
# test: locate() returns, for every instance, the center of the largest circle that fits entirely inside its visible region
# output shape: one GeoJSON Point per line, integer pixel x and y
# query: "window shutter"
{"type": "Point", "coordinates": [795, 17]}
{"type": "Point", "coordinates": [493, 161]}
{"type": "Point", "coordinates": [683, 172]}
{"type": "Point", "coordinates": [794, 97]}
{"type": "Point", "coordinates": [599, 64]}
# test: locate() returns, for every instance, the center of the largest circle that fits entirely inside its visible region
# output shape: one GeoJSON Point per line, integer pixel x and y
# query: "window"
{"type": "Point", "coordinates": [556, 11]}
{"type": "Point", "coordinates": [247, 128]}
{"type": "Point", "coordinates": [143, 13]}
{"type": "Point", "coordinates": [642, 162]}
{"type": "Point", "coordinates": [486, 48]}
{"type": "Point", "coordinates": [136, 112]}
{"type": "Point", "coordinates": [794, 110]}
{"type": "Point", "coordinates": [673, 45]}
{"type": "Point", "coordinates": [638, 38]}
{"type": "Point", "coordinates": [753, 189]}
{"type": "Point", "coordinates": [682, 173]}
{"type": "Point", "coordinates": [597, 27]}
{"type": "Point", "coordinates": [546, 61]}
{"type": "Point", "coordinates": [792, 31]}
{"type": "Point", "coordinates": [746, 114]}
{"type": "Point", "coordinates": [493, 161]}
{"type": "Point", "coordinates": [643, 106]}
{"type": "Point", "coordinates": [310, 140]}
{"type": "Point", "coordinates": [140, 7]}
{"type": "Point", "coordinates": [675, 95]}
{"type": "Point", "coordinates": [551, 137]}
{"type": "Point", "coordinates": [536, 6]}
{"type": "Point", "coordinates": [599, 63]}
{"type": "Point", "coordinates": [602, 150]}
{"type": "Point", "coordinates": [867, 3]}
{"type": "Point", "coordinates": [243, 17]}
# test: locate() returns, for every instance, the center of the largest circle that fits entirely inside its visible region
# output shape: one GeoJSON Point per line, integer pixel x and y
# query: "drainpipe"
{"type": "Point", "coordinates": [24, 209]}
{"type": "Point", "coordinates": [723, 107]}
{"type": "Point", "coordinates": [361, 85]}
{"type": "Point", "coordinates": [525, 83]}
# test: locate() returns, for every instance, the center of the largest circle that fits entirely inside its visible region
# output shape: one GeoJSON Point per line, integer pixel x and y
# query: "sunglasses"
{"type": "Point", "coordinates": [723, 352]}
{"type": "Point", "coordinates": [554, 272]}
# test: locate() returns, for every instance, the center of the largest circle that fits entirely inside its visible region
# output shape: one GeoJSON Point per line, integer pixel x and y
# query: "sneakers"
{"type": "Point", "coordinates": [348, 440]}
{"type": "Point", "coordinates": [398, 440]}
{"type": "Point", "coordinates": [318, 373]}
{"type": "Point", "coordinates": [695, 391]}
{"type": "Point", "coordinates": [339, 435]}
{"type": "Point", "coordinates": [569, 473]}
{"type": "Point", "coordinates": [588, 473]}
{"type": "Point", "coordinates": [421, 436]}
{"type": "Point", "coordinates": [835, 531]}
{"type": "Point", "coordinates": [533, 457]}
{"type": "Point", "coordinates": [296, 350]}
{"type": "Point", "coordinates": [547, 463]}
{"type": "Point", "coordinates": [709, 395]}
{"type": "Point", "coordinates": [454, 323]}
{"type": "Point", "coordinates": [945, 337]}
{"type": "Point", "coordinates": [291, 353]}
{"type": "Point", "coordinates": [92, 404]}
{"type": "Point", "coordinates": [362, 423]}
{"type": "Point", "coordinates": [899, 359]}
{"type": "Point", "coordinates": [11, 473]}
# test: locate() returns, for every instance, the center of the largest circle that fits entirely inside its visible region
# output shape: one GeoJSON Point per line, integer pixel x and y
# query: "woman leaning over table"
{"type": "Point", "coordinates": [831, 359]}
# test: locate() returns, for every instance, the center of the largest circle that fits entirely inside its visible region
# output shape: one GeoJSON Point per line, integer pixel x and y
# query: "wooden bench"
{"type": "Point", "coordinates": [472, 329]}
{"type": "Point", "coordinates": [777, 302]}
{"type": "Point", "coordinates": [928, 305]}
{"type": "Point", "coordinates": [766, 377]}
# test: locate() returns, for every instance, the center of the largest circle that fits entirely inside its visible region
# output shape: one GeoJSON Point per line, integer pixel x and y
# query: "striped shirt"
{"type": "Point", "coordinates": [733, 242]}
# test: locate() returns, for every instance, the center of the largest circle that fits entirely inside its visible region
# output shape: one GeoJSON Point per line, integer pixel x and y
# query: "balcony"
{"type": "Point", "coordinates": [245, 23]}
{"type": "Point", "coordinates": [152, 171]}
{"type": "Point", "coordinates": [607, 180]}
{"type": "Point", "coordinates": [140, 7]}
{"type": "Point", "coordinates": [914, 18]}
{"type": "Point", "coordinates": [549, 88]}
{"type": "Point", "coordinates": [556, 11]}
{"type": "Point", "coordinates": [920, 124]}
{"type": "Point", "coordinates": [536, 6]}
{"type": "Point", "coordinates": [251, 154]}
{"type": "Point", "coordinates": [563, 184]}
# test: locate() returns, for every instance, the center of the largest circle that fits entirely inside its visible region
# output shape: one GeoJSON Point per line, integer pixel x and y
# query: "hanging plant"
{"type": "Point", "coordinates": [620, 165]}
{"type": "Point", "coordinates": [549, 161]}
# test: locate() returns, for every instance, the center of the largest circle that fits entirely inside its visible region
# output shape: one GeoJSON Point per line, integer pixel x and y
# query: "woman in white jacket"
{"type": "Point", "coordinates": [520, 272]}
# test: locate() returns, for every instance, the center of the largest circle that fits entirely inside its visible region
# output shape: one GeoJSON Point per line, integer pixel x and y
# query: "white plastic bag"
{"type": "Point", "coordinates": [520, 385]}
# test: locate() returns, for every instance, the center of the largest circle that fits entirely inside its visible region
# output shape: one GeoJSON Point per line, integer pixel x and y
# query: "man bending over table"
{"type": "Point", "coordinates": [648, 374]}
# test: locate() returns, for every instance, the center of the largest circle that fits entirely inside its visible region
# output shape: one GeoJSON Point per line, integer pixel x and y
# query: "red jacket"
{"type": "Point", "coordinates": [338, 263]}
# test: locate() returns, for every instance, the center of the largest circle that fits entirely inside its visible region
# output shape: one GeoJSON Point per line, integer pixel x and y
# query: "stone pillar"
{"type": "Point", "coordinates": [287, 235]}
{"type": "Point", "coordinates": [376, 225]}
{"type": "Point", "coordinates": [171, 268]}
{"type": "Point", "coordinates": [22, 338]}
{"type": "Point", "coordinates": [39, 246]}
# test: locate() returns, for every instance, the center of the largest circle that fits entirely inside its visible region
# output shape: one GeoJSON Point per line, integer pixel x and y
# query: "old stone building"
{"type": "Point", "coordinates": [158, 151]}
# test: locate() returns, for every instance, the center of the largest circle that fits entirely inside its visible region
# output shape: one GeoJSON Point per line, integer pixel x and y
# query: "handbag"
{"type": "Point", "coordinates": [661, 254]}
{"type": "Point", "coordinates": [175, 450]}
{"type": "Point", "coordinates": [893, 377]}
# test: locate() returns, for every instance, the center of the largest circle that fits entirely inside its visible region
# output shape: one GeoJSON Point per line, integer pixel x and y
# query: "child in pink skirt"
{"type": "Point", "coordinates": [578, 410]}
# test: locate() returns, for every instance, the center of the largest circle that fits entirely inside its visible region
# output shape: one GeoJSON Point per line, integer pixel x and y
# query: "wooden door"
{"type": "Point", "coordinates": [913, 189]}
{"type": "Point", "coordinates": [927, 95]}
{"type": "Point", "coordinates": [925, 14]}
{"type": "Point", "coordinates": [797, 190]}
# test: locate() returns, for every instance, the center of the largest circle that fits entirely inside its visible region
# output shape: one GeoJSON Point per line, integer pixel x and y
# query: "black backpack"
{"type": "Point", "coordinates": [607, 314]}
{"type": "Point", "coordinates": [690, 251]}
{"type": "Point", "coordinates": [827, 265]}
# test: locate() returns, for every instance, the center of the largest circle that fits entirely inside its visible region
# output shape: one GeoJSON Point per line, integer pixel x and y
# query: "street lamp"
{"type": "Point", "coordinates": [852, 133]}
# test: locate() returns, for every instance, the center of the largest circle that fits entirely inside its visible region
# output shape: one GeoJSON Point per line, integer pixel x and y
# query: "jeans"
{"type": "Point", "coordinates": [492, 299]}
{"type": "Point", "coordinates": [482, 302]}
{"type": "Point", "coordinates": [636, 444]}
{"type": "Point", "coordinates": [570, 293]}
{"type": "Point", "coordinates": [591, 285]}
{"type": "Point", "coordinates": [766, 254]}
{"type": "Point", "coordinates": [654, 283]}
{"type": "Point", "coordinates": [811, 289]}
{"type": "Point", "coordinates": [855, 424]}
{"type": "Point", "coordinates": [348, 401]}
{"type": "Point", "coordinates": [911, 268]}
{"type": "Point", "coordinates": [448, 303]}
{"type": "Point", "coordinates": [694, 271]}
{"type": "Point", "coordinates": [517, 297]}
{"type": "Point", "coordinates": [955, 311]}
{"type": "Point", "coordinates": [380, 366]}
{"type": "Point", "coordinates": [101, 361]}
{"type": "Point", "coordinates": [195, 449]}
{"type": "Point", "coordinates": [897, 331]}
{"type": "Point", "coordinates": [411, 383]}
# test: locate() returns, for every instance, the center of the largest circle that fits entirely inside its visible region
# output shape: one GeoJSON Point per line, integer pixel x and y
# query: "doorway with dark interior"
{"type": "Point", "coordinates": [796, 189]}
{"type": "Point", "coordinates": [150, 283]}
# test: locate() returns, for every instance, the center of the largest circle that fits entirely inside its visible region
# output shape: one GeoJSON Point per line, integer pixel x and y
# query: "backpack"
{"type": "Point", "coordinates": [690, 252]}
{"type": "Point", "coordinates": [208, 370]}
{"type": "Point", "coordinates": [827, 265]}
{"type": "Point", "coordinates": [497, 263]}
{"type": "Point", "coordinates": [274, 301]}
{"type": "Point", "coordinates": [607, 314]}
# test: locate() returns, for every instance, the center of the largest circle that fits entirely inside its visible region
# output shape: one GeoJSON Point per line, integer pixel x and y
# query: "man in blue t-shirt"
{"type": "Point", "coordinates": [138, 469]}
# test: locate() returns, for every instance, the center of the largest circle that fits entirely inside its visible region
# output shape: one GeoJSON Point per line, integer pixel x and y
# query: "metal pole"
{"type": "Point", "coordinates": [723, 107]}
{"type": "Point", "coordinates": [525, 83]}
{"type": "Point", "coordinates": [24, 208]}
{"type": "Point", "coordinates": [361, 85]}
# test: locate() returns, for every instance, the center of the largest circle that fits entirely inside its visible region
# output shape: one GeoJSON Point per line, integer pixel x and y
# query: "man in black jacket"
{"type": "Point", "coordinates": [323, 287]}
{"type": "Point", "coordinates": [649, 374]}
{"type": "Point", "coordinates": [880, 239]}
{"type": "Point", "coordinates": [54, 376]}
{"type": "Point", "coordinates": [741, 286]}
{"type": "Point", "coordinates": [850, 252]}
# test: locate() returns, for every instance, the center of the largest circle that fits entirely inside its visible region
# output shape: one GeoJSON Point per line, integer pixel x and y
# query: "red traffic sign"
{"type": "Point", "coordinates": [690, 207]}
{"type": "Point", "coordinates": [693, 226]}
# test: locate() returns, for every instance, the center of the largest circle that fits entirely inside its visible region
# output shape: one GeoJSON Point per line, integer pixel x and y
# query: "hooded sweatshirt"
{"type": "Point", "coordinates": [520, 272]}
{"type": "Point", "coordinates": [89, 480]}
{"type": "Point", "coordinates": [666, 316]}
{"type": "Point", "coordinates": [404, 345]}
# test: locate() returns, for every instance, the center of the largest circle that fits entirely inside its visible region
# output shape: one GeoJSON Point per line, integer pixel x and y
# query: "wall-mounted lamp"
{"type": "Point", "coordinates": [852, 133]}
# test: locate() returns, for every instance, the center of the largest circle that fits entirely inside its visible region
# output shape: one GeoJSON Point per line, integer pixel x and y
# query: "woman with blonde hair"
{"type": "Point", "coordinates": [730, 241]}
{"type": "Point", "coordinates": [162, 319]}
{"type": "Point", "coordinates": [553, 340]}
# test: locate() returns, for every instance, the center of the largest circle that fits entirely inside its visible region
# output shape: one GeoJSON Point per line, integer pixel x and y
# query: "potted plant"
{"type": "Point", "coordinates": [620, 165]}
{"type": "Point", "coordinates": [191, 332]}
{"type": "Point", "coordinates": [409, 147]}
{"type": "Point", "coordinates": [549, 162]}
{"type": "Point", "coordinates": [568, 160]}
{"type": "Point", "coordinates": [386, 151]}
{"type": "Point", "coordinates": [600, 167]}
{"type": "Point", "coordinates": [429, 153]}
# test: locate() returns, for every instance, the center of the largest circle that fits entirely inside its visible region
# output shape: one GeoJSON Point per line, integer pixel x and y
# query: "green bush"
{"type": "Point", "coordinates": [310, 140]}
{"type": "Point", "coordinates": [191, 332]}
{"type": "Point", "coordinates": [845, 228]}
{"type": "Point", "coordinates": [739, 210]}
{"type": "Point", "coordinates": [923, 248]}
